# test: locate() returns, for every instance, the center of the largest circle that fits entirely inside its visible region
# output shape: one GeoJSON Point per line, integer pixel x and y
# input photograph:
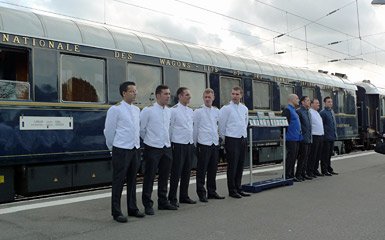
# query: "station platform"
{"type": "Point", "coordinates": [346, 206]}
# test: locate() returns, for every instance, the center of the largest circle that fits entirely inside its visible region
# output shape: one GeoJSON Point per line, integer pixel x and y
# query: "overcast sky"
{"type": "Point", "coordinates": [250, 28]}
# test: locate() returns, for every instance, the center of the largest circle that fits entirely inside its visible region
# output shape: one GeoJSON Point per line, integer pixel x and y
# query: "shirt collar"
{"type": "Point", "coordinates": [181, 105]}
{"type": "Point", "coordinates": [204, 106]}
{"type": "Point", "coordinates": [126, 104]}
{"type": "Point", "coordinates": [156, 104]}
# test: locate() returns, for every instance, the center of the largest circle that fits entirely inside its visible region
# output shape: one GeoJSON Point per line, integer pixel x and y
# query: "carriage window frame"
{"type": "Point", "coordinates": [103, 84]}
{"type": "Point", "coordinates": [140, 89]}
{"type": "Point", "coordinates": [311, 89]}
{"type": "Point", "coordinates": [196, 95]}
{"type": "Point", "coordinates": [221, 93]}
{"type": "Point", "coordinates": [255, 82]}
{"type": "Point", "coordinates": [283, 100]}
{"type": "Point", "coordinates": [19, 88]}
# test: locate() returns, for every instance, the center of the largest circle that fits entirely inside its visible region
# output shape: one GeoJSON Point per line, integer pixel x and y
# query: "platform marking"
{"type": "Point", "coordinates": [51, 203]}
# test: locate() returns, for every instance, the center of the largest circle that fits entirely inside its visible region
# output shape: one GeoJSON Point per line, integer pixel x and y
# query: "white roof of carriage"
{"type": "Point", "coordinates": [370, 88]}
{"type": "Point", "coordinates": [31, 24]}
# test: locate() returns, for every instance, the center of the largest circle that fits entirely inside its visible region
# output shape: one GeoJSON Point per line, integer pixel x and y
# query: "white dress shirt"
{"type": "Point", "coordinates": [206, 125]}
{"type": "Point", "coordinates": [317, 127]}
{"type": "Point", "coordinates": [233, 120]}
{"type": "Point", "coordinates": [122, 126]}
{"type": "Point", "coordinates": [155, 126]}
{"type": "Point", "coordinates": [181, 126]}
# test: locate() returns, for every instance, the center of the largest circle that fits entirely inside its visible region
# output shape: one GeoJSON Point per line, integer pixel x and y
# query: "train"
{"type": "Point", "coordinates": [58, 77]}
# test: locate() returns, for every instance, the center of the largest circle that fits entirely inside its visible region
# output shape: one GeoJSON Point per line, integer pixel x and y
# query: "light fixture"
{"type": "Point", "coordinates": [345, 59]}
{"type": "Point", "coordinates": [378, 2]}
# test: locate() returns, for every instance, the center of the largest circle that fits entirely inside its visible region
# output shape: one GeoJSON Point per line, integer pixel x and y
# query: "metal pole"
{"type": "Point", "coordinates": [251, 154]}
{"type": "Point", "coordinates": [284, 153]}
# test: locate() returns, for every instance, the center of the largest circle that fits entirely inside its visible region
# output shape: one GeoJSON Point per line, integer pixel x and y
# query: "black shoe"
{"type": "Point", "coordinates": [318, 174]}
{"type": "Point", "coordinates": [149, 211]}
{"type": "Point", "coordinates": [137, 214]}
{"type": "Point", "coordinates": [203, 199]}
{"type": "Point", "coordinates": [176, 204]}
{"type": "Point", "coordinates": [312, 175]}
{"type": "Point", "coordinates": [307, 177]}
{"type": "Point", "coordinates": [235, 195]}
{"type": "Point", "coordinates": [188, 201]}
{"type": "Point", "coordinates": [295, 179]}
{"type": "Point", "coordinates": [334, 173]}
{"type": "Point", "coordinates": [215, 196]}
{"type": "Point", "coordinates": [243, 194]}
{"type": "Point", "coordinates": [328, 174]}
{"type": "Point", "coordinates": [167, 207]}
{"type": "Point", "coordinates": [120, 218]}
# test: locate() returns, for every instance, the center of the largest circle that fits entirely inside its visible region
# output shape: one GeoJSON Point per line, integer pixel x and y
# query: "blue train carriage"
{"type": "Point", "coordinates": [58, 77]}
{"type": "Point", "coordinates": [345, 108]}
{"type": "Point", "coordinates": [371, 113]}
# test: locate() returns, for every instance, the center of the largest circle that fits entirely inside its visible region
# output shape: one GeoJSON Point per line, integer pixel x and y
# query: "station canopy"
{"type": "Point", "coordinates": [28, 23]}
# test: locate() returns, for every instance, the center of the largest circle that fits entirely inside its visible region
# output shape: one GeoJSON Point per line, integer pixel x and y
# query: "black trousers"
{"type": "Point", "coordinates": [207, 164]}
{"type": "Point", "coordinates": [303, 156]}
{"type": "Point", "coordinates": [156, 160]}
{"type": "Point", "coordinates": [235, 155]}
{"type": "Point", "coordinates": [315, 154]}
{"type": "Point", "coordinates": [291, 156]}
{"type": "Point", "coordinates": [125, 165]}
{"type": "Point", "coordinates": [327, 152]}
{"type": "Point", "coordinates": [180, 170]}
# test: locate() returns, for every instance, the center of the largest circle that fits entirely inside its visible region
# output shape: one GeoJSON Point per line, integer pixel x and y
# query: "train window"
{"type": "Point", "coordinates": [306, 91]}
{"type": "Point", "coordinates": [326, 93]}
{"type": "Point", "coordinates": [341, 102]}
{"type": "Point", "coordinates": [14, 71]}
{"type": "Point", "coordinates": [261, 95]}
{"type": "Point", "coordinates": [284, 92]}
{"type": "Point", "coordinates": [82, 79]}
{"type": "Point", "coordinates": [226, 84]}
{"type": "Point", "coordinates": [196, 82]}
{"type": "Point", "coordinates": [146, 78]}
{"type": "Point", "coordinates": [350, 102]}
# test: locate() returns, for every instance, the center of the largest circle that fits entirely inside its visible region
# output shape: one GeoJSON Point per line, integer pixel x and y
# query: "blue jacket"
{"type": "Point", "coordinates": [294, 128]}
{"type": "Point", "coordinates": [329, 122]}
{"type": "Point", "coordinates": [305, 119]}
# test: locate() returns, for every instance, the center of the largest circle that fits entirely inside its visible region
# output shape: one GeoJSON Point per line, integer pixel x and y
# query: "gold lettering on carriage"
{"type": "Point", "coordinates": [174, 63]}
{"type": "Point", "coordinates": [36, 42]}
{"type": "Point", "coordinates": [123, 55]}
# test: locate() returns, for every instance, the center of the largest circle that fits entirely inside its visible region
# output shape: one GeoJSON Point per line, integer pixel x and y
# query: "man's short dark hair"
{"type": "Point", "coordinates": [123, 87]}
{"type": "Point", "coordinates": [314, 99]}
{"type": "Point", "coordinates": [303, 98]}
{"type": "Point", "coordinates": [159, 89]}
{"type": "Point", "coordinates": [180, 90]}
{"type": "Point", "coordinates": [326, 98]}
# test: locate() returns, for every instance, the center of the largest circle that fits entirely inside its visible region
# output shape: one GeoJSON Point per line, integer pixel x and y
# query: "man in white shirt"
{"type": "Point", "coordinates": [181, 134]}
{"type": "Point", "coordinates": [318, 135]}
{"type": "Point", "coordinates": [207, 142]}
{"type": "Point", "coordinates": [122, 138]}
{"type": "Point", "coordinates": [233, 120]}
{"type": "Point", "coordinates": [155, 132]}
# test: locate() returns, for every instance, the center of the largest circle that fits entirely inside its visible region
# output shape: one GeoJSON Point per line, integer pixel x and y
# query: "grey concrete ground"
{"type": "Point", "coordinates": [348, 206]}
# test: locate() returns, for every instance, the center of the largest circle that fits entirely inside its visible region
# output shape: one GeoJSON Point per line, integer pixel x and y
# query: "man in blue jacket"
{"type": "Point", "coordinates": [330, 135]}
{"type": "Point", "coordinates": [305, 143]}
{"type": "Point", "coordinates": [293, 135]}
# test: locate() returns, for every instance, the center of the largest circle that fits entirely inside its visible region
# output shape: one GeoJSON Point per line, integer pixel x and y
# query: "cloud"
{"type": "Point", "coordinates": [258, 23]}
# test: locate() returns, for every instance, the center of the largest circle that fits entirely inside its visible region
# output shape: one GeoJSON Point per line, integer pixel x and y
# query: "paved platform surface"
{"type": "Point", "coordinates": [348, 206]}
